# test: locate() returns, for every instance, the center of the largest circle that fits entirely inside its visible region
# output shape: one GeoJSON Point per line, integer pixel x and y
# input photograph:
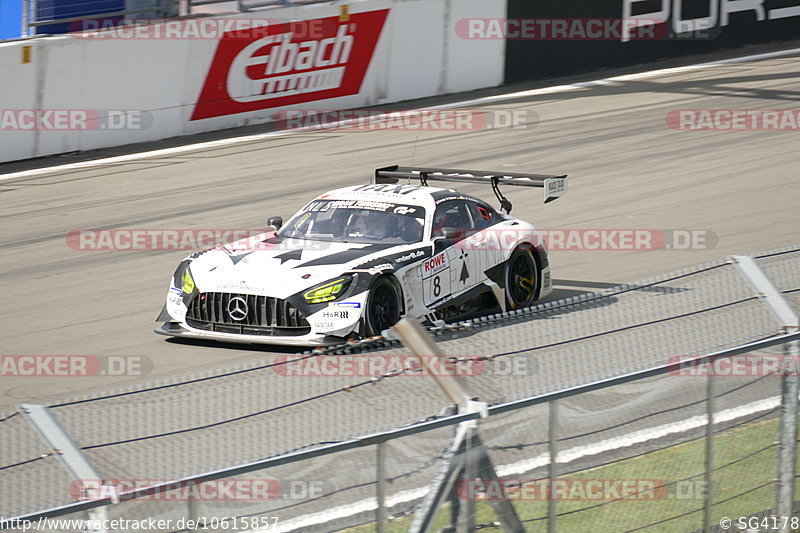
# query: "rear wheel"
{"type": "Point", "coordinates": [384, 305]}
{"type": "Point", "coordinates": [521, 279]}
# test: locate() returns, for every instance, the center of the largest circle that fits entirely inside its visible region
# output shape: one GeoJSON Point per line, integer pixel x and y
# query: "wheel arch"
{"type": "Point", "coordinates": [398, 286]}
{"type": "Point", "coordinates": [540, 262]}
{"type": "Point", "coordinates": [539, 253]}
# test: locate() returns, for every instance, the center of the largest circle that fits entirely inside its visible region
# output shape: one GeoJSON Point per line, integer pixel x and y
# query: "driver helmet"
{"type": "Point", "coordinates": [382, 225]}
{"type": "Point", "coordinates": [339, 222]}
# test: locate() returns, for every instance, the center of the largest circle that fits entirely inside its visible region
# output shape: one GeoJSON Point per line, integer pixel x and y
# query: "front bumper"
{"type": "Point", "coordinates": [174, 329]}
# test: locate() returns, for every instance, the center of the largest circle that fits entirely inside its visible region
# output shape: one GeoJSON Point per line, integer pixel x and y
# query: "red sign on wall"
{"type": "Point", "coordinates": [279, 66]}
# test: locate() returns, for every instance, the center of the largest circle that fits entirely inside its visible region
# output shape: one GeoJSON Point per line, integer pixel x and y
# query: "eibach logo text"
{"type": "Point", "coordinates": [284, 68]}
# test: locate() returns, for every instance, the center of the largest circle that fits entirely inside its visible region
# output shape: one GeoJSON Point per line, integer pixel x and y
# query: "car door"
{"type": "Point", "coordinates": [450, 270]}
{"type": "Point", "coordinates": [483, 244]}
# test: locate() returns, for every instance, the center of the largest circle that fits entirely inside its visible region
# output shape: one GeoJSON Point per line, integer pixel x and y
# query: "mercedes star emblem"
{"type": "Point", "coordinates": [237, 308]}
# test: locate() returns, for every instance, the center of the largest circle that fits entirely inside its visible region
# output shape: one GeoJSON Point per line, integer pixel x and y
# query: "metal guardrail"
{"type": "Point", "coordinates": [637, 409]}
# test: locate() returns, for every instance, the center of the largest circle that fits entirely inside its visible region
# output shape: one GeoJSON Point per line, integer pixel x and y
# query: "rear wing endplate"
{"type": "Point", "coordinates": [554, 186]}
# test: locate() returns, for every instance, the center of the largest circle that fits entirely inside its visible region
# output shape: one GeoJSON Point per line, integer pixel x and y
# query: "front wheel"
{"type": "Point", "coordinates": [384, 305]}
{"type": "Point", "coordinates": [521, 279]}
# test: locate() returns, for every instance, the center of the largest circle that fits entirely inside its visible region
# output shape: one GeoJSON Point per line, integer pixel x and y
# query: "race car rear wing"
{"type": "Point", "coordinates": [554, 186]}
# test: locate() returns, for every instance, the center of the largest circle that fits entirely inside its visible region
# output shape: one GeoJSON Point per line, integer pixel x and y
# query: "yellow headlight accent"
{"type": "Point", "coordinates": [326, 293]}
{"type": "Point", "coordinates": [188, 282]}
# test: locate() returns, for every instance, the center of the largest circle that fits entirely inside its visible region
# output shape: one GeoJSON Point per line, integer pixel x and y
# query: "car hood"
{"type": "Point", "coordinates": [266, 265]}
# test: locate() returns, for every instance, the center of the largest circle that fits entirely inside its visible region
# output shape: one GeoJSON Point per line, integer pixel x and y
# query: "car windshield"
{"type": "Point", "coordinates": [362, 221]}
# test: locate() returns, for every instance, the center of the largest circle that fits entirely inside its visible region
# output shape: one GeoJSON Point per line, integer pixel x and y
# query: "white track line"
{"type": "Point", "coordinates": [476, 101]}
{"type": "Point", "coordinates": [528, 465]}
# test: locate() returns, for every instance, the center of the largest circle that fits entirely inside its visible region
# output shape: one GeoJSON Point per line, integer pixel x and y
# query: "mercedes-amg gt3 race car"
{"type": "Point", "coordinates": [353, 261]}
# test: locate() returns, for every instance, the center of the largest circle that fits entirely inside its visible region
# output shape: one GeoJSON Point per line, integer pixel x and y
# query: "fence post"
{"type": "Point", "coordinates": [466, 519]}
{"type": "Point", "coordinates": [71, 457]}
{"type": "Point", "coordinates": [787, 447]}
{"type": "Point", "coordinates": [709, 474]}
{"type": "Point", "coordinates": [381, 485]}
{"type": "Point", "coordinates": [552, 449]}
{"type": "Point", "coordinates": [787, 439]}
{"type": "Point", "coordinates": [467, 456]}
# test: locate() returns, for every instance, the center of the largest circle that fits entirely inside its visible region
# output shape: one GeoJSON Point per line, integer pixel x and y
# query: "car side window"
{"type": "Point", "coordinates": [482, 215]}
{"type": "Point", "coordinates": [452, 214]}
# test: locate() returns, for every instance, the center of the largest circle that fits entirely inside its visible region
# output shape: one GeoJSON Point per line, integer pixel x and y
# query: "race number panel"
{"type": "Point", "coordinates": [436, 278]}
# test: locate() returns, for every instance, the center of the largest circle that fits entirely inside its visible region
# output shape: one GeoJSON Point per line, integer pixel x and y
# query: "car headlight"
{"type": "Point", "coordinates": [328, 291]}
{"type": "Point", "coordinates": [183, 278]}
{"type": "Point", "coordinates": [188, 281]}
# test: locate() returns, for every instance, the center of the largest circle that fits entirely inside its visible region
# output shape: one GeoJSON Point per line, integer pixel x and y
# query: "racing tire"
{"type": "Point", "coordinates": [384, 306]}
{"type": "Point", "coordinates": [522, 278]}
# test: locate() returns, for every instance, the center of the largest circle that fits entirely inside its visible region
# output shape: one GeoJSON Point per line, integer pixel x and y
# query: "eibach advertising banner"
{"type": "Point", "coordinates": [279, 66]}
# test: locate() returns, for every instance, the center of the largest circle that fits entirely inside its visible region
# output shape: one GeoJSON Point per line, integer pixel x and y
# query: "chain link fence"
{"type": "Point", "coordinates": [305, 439]}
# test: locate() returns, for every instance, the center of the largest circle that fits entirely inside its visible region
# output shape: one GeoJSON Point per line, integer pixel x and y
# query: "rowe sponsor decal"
{"type": "Point", "coordinates": [285, 68]}
{"type": "Point", "coordinates": [435, 264]}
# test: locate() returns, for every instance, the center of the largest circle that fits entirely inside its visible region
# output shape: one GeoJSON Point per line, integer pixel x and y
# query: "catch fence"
{"type": "Point", "coordinates": [641, 438]}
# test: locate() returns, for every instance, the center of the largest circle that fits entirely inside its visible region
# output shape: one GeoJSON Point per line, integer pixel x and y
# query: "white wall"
{"type": "Point", "coordinates": [418, 54]}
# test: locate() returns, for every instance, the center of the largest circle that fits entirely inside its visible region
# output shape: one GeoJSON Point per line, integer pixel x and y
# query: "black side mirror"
{"type": "Point", "coordinates": [275, 222]}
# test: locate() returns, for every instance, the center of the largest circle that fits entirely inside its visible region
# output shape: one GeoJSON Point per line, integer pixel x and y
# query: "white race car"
{"type": "Point", "coordinates": [353, 261]}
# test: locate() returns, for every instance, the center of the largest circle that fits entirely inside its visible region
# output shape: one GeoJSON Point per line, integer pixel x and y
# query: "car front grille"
{"type": "Point", "coordinates": [252, 315]}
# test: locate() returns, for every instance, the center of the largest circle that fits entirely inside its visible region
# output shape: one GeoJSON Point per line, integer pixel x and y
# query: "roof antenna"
{"type": "Point", "coordinates": [413, 153]}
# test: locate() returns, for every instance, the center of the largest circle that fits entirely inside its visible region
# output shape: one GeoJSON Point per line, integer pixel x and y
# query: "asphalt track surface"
{"type": "Point", "coordinates": [628, 170]}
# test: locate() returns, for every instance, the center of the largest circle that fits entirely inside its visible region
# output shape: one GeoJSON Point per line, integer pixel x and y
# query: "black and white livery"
{"type": "Point", "coordinates": [354, 260]}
